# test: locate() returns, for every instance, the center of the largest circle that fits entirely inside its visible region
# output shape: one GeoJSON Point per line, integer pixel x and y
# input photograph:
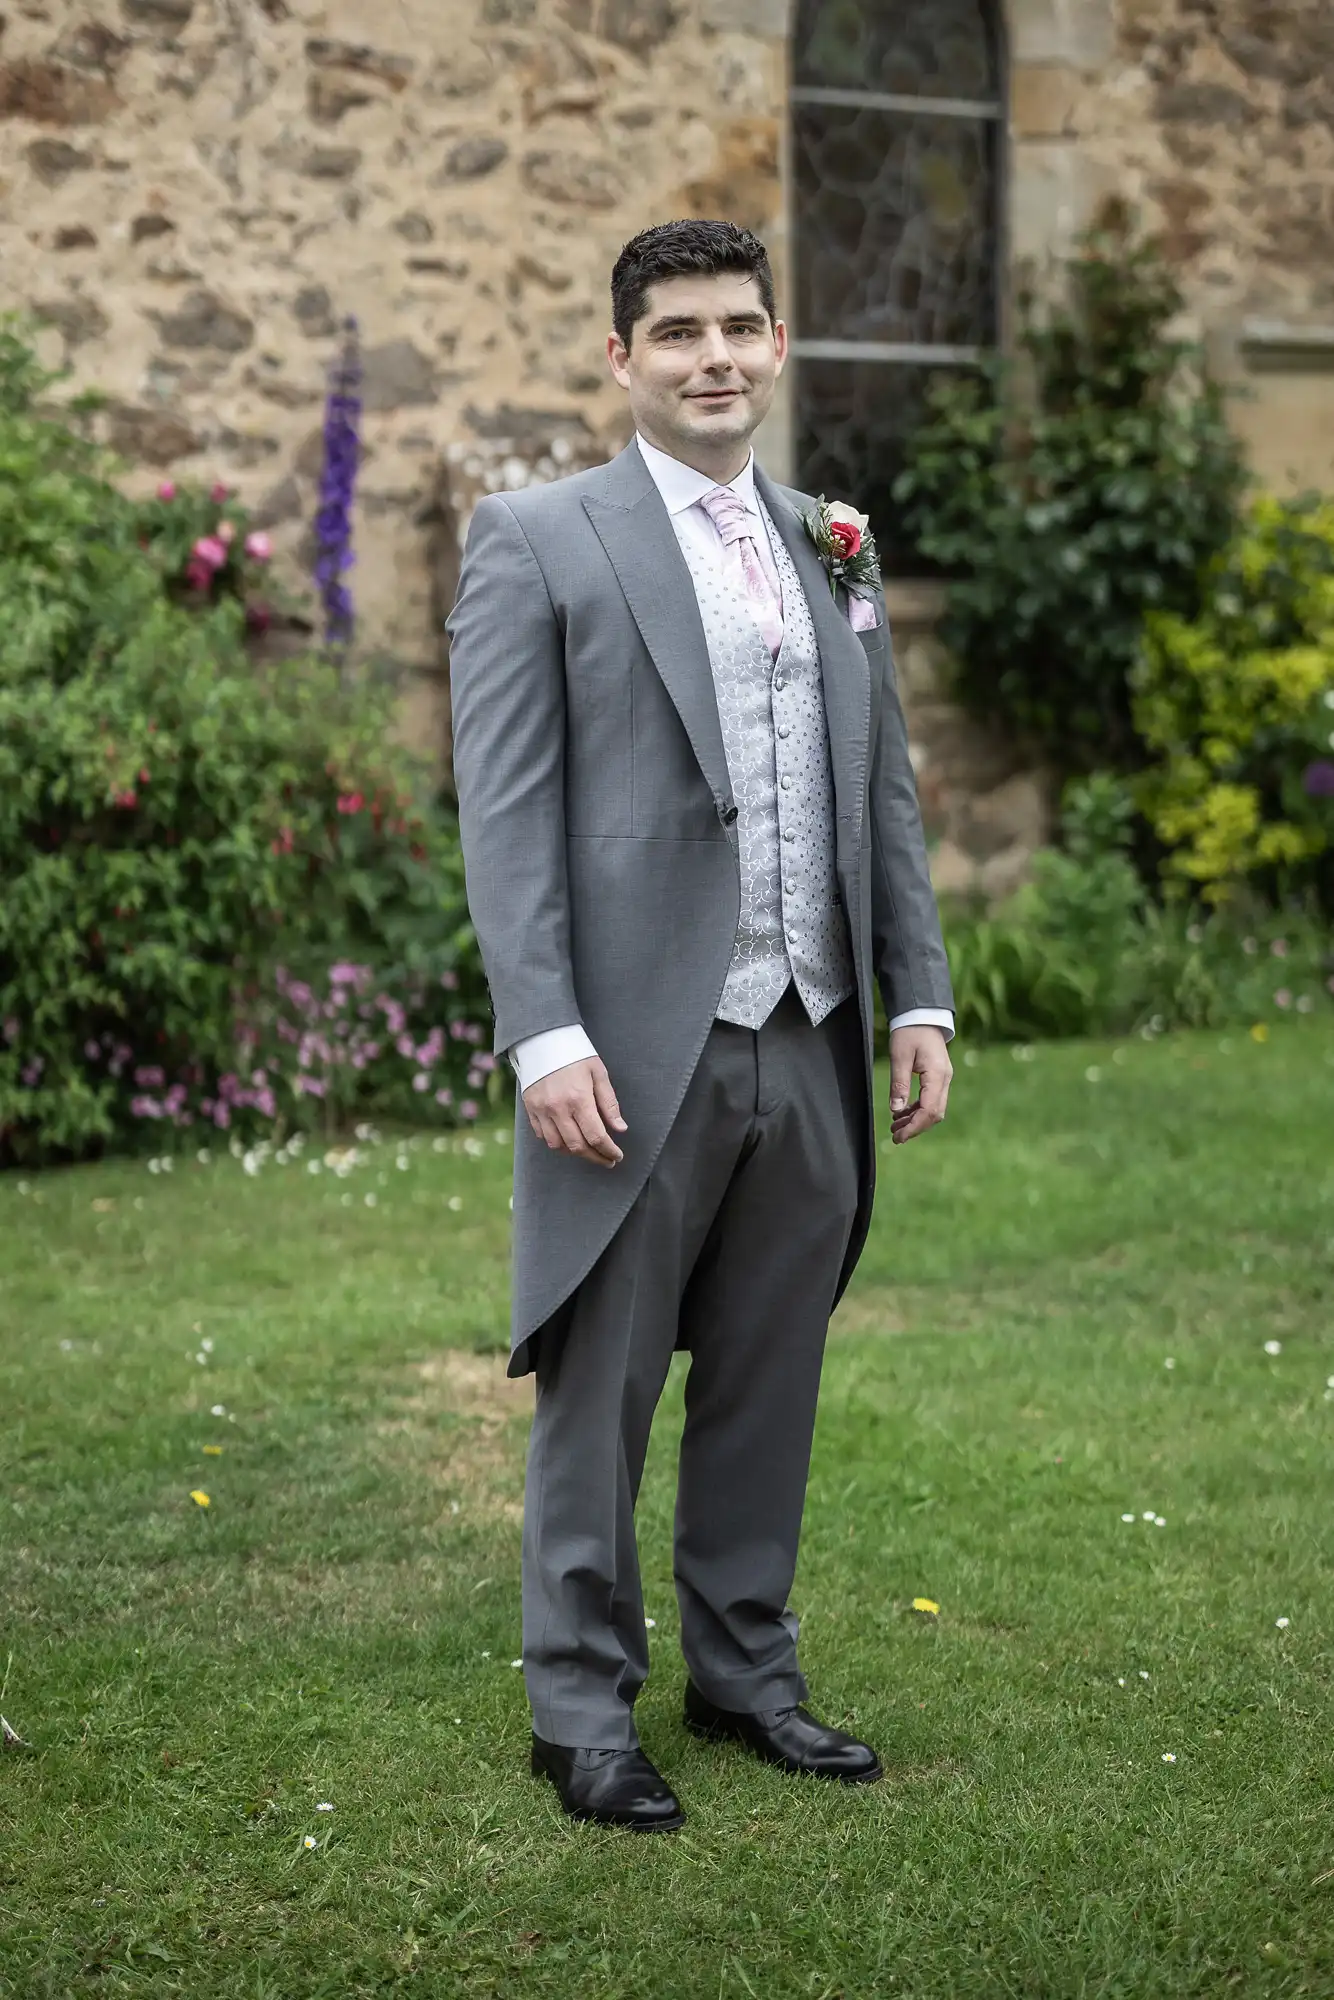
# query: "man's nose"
{"type": "Point", "coordinates": [717, 354]}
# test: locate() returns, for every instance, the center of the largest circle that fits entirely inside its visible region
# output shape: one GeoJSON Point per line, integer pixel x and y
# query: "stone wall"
{"type": "Point", "coordinates": [193, 193]}
{"type": "Point", "coordinates": [1216, 117]}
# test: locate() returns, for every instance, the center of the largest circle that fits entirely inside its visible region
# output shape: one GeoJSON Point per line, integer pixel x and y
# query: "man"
{"type": "Point", "coordinates": [692, 840]}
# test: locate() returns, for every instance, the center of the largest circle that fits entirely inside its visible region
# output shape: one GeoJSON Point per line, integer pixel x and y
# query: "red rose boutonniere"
{"type": "Point", "coordinates": [845, 545]}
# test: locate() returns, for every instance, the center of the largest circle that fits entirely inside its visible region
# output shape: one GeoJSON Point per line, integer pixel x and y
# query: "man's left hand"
{"type": "Point", "coordinates": [922, 1052]}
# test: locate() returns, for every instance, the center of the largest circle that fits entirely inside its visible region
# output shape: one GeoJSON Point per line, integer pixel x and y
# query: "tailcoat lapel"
{"type": "Point", "coordinates": [636, 531]}
{"type": "Point", "coordinates": [843, 664]}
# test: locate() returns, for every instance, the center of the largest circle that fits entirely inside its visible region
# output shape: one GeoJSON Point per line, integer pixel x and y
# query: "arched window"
{"type": "Point", "coordinates": [898, 121]}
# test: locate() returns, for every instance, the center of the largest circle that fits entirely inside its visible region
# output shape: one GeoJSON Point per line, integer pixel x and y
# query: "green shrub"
{"type": "Point", "coordinates": [1068, 496]}
{"type": "Point", "coordinates": [1237, 707]}
{"type": "Point", "coordinates": [1053, 960]}
{"type": "Point", "coordinates": [176, 825]}
{"type": "Point", "coordinates": [1082, 949]}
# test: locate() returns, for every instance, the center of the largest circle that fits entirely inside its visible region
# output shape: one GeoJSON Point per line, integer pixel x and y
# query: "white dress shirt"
{"type": "Point", "coordinates": [682, 488]}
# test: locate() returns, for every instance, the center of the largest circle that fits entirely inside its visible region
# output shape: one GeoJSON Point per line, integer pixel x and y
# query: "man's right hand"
{"type": "Point", "coordinates": [574, 1110]}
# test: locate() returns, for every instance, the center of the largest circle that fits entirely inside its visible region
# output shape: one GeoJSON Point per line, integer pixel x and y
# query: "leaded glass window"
{"type": "Point", "coordinates": [897, 125]}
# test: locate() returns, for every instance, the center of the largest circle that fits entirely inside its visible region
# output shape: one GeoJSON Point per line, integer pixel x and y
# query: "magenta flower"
{"type": "Point", "coordinates": [258, 546]}
{"type": "Point", "coordinates": [219, 492]}
{"type": "Point", "coordinates": [208, 549]}
{"type": "Point", "coordinates": [166, 489]}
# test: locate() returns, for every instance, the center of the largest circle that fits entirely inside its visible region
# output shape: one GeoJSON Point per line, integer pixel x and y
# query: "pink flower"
{"type": "Point", "coordinates": [11, 1029]}
{"type": "Point", "coordinates": [166, 489]}
{"type": "Point", "coordinates": [1283, 998]}
{"type": "Point", "coordinates": [210, 550]}
{"type": "Point", "coordinates": [258, 546]}
{"type": "Point", "coordinates": [219, 492]}
{"type": "Point", "coordinates": [421, 1081]}
{"type": "Point", "coordinates": [226, 533]}
{"type": "Point", "coordinates": [1279, 947]}
{"type": "Point", "coordinates": [92, 1051]}
{"type": "Point", "coordinates": [449, 980]}
{"type": "Point", "coordinates": [444, 1097]}
{"type": "Point", "coordinates": [468, 1109]}
{"type": "Point", "coordinates": [406, 1046]}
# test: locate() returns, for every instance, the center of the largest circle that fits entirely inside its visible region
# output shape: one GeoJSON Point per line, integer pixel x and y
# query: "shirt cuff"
{"type": "Point", "coordinates": [925, 1017]}
{"type": "Point", "coordinates": [537, 1055]}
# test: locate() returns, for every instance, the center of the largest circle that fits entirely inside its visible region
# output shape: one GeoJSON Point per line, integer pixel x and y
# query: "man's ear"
{"type": "Point", "coordinates": [618, 359]}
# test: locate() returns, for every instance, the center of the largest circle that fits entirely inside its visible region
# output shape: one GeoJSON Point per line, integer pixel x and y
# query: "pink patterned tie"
{"type": "Point", "coordinates": [728, 513]}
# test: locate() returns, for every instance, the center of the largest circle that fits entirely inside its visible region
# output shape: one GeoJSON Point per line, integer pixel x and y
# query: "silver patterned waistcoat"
{"type": "Point", "coordinates": [792, 924]}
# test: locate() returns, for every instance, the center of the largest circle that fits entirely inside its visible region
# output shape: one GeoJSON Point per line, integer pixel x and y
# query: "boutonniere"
{"type": "Point", "coordinates": [845, 545]}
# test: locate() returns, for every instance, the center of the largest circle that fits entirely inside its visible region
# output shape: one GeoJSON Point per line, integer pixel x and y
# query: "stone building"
{"type": "Point", "coordinates": [194, 192]}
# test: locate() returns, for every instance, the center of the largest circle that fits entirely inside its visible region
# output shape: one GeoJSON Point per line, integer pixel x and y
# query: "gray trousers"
{"type": "Point", "coordinates": [733, 1250]}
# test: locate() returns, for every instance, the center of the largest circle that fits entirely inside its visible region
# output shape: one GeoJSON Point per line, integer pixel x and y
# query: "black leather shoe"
{"type": "Point", "coordinates": [612, 1787]}
{"type": "Point", "coordinates": [788, 1737]}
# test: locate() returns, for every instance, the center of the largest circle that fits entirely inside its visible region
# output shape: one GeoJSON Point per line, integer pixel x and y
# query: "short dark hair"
{"type": "Point", "coordinates": [684, 250]}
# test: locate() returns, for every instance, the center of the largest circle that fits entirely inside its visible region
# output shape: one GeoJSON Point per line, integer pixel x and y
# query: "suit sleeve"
{"type": "Point", "coordinates": [507, 682]}
{"type": "Point", "coordinates": [907, 947]}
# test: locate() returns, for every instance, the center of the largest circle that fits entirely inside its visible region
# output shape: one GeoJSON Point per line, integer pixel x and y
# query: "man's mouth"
{"type": "Point", "coordinates": [712, 395]}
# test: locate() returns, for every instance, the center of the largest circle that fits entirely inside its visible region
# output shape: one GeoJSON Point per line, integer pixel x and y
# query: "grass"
{"type": "Point", "coordinates": [338, 1625]}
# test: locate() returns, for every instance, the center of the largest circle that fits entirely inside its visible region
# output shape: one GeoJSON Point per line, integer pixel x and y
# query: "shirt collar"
{"type": "Point", "coordinates": [682, 487]}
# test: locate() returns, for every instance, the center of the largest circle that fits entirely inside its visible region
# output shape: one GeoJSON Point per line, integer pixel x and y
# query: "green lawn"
{"type": "Point", "coordinates": [339, 1624]}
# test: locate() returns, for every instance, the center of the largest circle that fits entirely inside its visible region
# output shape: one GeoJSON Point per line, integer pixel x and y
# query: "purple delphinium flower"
{"type": "Point", "coordinates": [333, 521]}
{"type": "Point", "coordinates": [1318, 779]}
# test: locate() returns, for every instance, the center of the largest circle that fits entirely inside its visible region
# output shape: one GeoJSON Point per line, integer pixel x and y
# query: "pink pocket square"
{"type": "Point", "coordinates": [861, 612]}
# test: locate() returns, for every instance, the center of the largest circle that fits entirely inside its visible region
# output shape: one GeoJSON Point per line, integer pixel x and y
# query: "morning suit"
{"type": "Point", "coordinates": [704, 855]}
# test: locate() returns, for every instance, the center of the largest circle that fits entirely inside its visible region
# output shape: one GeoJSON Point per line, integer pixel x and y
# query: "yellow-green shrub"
{"type": "Point", "coordinates": [1237, 707]}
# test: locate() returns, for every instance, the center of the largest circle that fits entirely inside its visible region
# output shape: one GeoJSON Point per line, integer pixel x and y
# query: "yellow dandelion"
{"type": "Point", "coordinates": [927, 1604]}
{"type": "Point", "coordinates": [213, 1451]}
{"type": "Point", "coordinates": [1260, 1033]}
{"type": "Point", "coordinates": [200, 1499]}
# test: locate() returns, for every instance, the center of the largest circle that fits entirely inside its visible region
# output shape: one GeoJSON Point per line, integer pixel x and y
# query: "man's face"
{"type": "Point", "coordinates": [702, 363]}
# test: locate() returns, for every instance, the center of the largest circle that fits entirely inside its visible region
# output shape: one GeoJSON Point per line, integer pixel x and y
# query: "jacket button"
{"type": "Point", "coordinates": [728, 815]}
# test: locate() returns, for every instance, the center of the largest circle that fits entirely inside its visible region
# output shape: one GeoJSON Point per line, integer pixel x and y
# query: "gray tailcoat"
{"type": "Point", "coordinates": [594, 806]}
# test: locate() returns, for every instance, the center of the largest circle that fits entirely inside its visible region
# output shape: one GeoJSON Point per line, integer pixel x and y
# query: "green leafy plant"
{"type": "Point", "coordinates": [1082, 948]}
{"type": "Point", "coordinates": [184, 834]}
{"type": "Point", "coordinates": [1236, 705]}
{"type": "Point", "coordinates": [1070, 494]}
